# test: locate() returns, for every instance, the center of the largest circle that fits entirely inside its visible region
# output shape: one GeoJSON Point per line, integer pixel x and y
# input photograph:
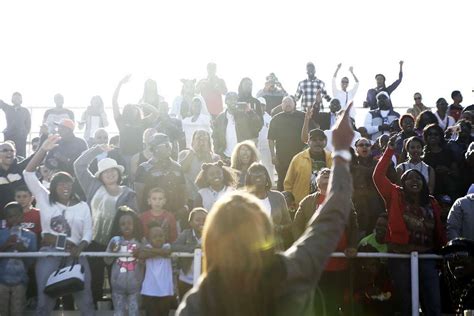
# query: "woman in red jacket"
{"type": "Point", "coordinates": [413, 225]}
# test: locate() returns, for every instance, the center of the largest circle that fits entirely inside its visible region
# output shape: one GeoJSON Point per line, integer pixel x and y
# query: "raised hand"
{"type": "Point", "coordinates": [51, 142]}
{"type": "Point", "coordinates": [339, 66]}
{"type": "Point", "coordinates": [343, 133]}
{"type": "Point", "coordinates": [309, 113]}
{"type": "Point", "coordinates": [125, 79]}
{"type": "Point", "coordinates": [351, 69]}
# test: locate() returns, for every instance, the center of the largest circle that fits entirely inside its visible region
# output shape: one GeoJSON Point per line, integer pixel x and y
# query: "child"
{"type": "Point", "coordinates": [213, 182]}
{"type": "Point", "coordinates": [156, 201]}
{"type": "Point", "coordinates": [31, 215]}
{"type": "Point", "coordinates": [187, 241]}
{"type": "Point", "coordinates": [127, 272]}
{"type": "Point", "coordinates": [157, 288]}
{"type": "Point", "coordinates": [13, 276]}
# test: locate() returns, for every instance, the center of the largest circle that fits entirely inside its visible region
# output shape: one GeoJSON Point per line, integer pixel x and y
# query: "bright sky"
{"type": "Point", "coordinates": [83, 48]}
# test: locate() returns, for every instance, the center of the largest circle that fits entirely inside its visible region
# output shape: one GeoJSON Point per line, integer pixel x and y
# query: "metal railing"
{"type": "Point", "coordinates": [197, 255]}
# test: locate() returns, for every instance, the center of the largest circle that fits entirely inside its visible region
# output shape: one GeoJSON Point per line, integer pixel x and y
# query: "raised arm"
{"type": "Point", "coordinates": [337, 70]}
{"type": "Point", "coordinates": [306, 259]}
{"type": "Point", "coordinates": [115, 105]}
{"type": "Point", "coordinates": [351, 70]}
{"type": "Point", "coordinates": [381, 181]}
{"type": "Point", "coordinates": [397, 82]}
{"type": "Point", "coordinates": [81, 165]}
{"type": "Point", "coordinates": [305, 129]}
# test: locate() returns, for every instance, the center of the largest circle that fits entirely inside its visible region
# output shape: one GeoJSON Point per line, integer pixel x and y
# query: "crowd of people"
{"type": "Point", "coordinates": [148, 191]}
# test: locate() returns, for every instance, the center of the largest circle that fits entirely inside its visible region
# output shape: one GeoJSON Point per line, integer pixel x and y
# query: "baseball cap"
{"type": "Point", "coordinates": [66, 123]}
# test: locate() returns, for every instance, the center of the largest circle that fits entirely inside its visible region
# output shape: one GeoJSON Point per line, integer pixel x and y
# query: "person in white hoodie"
{"type": "Point", "coordinates": [199, 119]}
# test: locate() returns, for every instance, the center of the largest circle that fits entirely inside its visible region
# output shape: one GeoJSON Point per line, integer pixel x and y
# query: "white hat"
{"type": "Point", "coordinates": [382, 93]}
{"type": "Point", "coordinates": [106, 164]}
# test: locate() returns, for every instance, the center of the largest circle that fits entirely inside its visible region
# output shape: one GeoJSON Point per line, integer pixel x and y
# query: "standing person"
{"type": "Point", "coordinates": [61, 214]}
{"type": "Point", "coordinates": [199, 120]}
{"type": "Point", "coordinates": [214, 181]}
{"type": "Point", "coordinates": [157, 287]}
{"type": "Point", "coordinates": [171, 126]}
{"type": "Point", "coordinates": [150, 95]}
{"type": "Point", "coordinates": [101, 137]}
{"type": "Point", "coordinates": [11, 172]}
{"type": "Point", "coordinates": [93, 118]}
{"type": "Point", "coordinates": [104, 194]}
{"type": "Point", "coordinates": [371, 101]}
{"type": "Point", "coordinates": [192, 159]}
{"type": "Point", "coordinates": [367, 201]}
{"type": "Point", "coordinates": [212, 88]}
{"type": "Point", "coordinates": [56, 114]}
{"type": "Point", "coordinates": [441, 159]}
{"type": "Point", "coordinates": [444, 119]}
{"type": "Point", "coordinates": [245, 95]}
{"type": "Point", "coordinates": [258, 183]}
{"type": "Point", "coordinates": [300, 179]}
{"type": "Point", "coordinates": [144, 155]}
{"type": "Point", "coordinates": [418, 107]}
{"type": "Point", "coordinates": [127, 272]}
{"type": "Point", "coordinates": [456, 108]}
{"type": "Point", "coordinates": [345, 97]}
{"type": "Point", "coordinates": [262, 142]}
{"type": "Point", "coordinates": [188, 241]}
{"type": "Point", "coordinates": [162, 171]}
{"type": "Point", "coordinates": [284, 137]}
{"type": "Point", "coordinates": [131, 123]}
{"type": "Point", "coordinates": [242, 273]}
{"type": "Point", "coordinates": [378, 119]}
{"type": "Point", "coordinates": [181, 107]}
{"type": "Point", "coordinates": [414, 148]}
{"type": "Point", "coordinates": [245, 153]}
{"type": "Point", "coordinates": [18, 123]}
{"type": "Point", "coordinates": [14, 276]}
{"type": "Point", "coordinates": [236, 124]}
{"type": "Point", "coordinates": [307, 88]}
{"type": "Point", "coordinates": [273, 93]}
{"type": "Point", "coordinates": [414, 225]}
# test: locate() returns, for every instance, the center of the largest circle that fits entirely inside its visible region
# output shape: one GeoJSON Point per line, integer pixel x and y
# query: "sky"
{"type": "Point", "coordinates": [83, 48]}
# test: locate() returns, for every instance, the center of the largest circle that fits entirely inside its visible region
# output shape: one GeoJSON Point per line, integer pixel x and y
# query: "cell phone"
{"type": "Point", "coordinates": [61, 241]}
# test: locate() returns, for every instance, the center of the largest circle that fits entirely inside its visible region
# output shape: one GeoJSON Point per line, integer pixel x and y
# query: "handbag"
{"type": "Point", "coordinates": [65, 280]}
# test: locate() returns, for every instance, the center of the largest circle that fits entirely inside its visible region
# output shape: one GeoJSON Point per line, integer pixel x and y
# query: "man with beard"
{"type": "Point", "coordinates": [163, 172]}
{"type": "Point", "coordinates": [302, 173]}
{"type": "Point", "coordinates": [284, 137]}
{"type": "Point", "coordinates": [377, 121]}
{"type": "Point", "coordinates": [236, 124]}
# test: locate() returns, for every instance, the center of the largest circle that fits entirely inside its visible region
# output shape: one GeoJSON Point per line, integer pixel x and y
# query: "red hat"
{"type": "Point", "coordinates": [66, 123]}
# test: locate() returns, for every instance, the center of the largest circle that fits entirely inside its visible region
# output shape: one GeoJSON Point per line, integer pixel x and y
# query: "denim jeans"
{"type": "Point", "coordinates": [428, 277]}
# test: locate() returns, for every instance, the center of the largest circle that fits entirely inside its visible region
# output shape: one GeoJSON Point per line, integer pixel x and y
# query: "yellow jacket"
{"type": "Point", "coordinates": [298, 177]}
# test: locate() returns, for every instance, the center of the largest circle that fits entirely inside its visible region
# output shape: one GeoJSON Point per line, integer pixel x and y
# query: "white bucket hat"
{"type": "Point", "coordinates": [106, 164]}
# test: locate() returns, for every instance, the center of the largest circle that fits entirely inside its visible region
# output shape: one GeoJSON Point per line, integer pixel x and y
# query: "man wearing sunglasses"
{"type": "Point", "coordinates": [343, 95]}
{"type": "Point", "coordinates": [418, 107]}
{"type": "Point", "coordinates": [163, 172]}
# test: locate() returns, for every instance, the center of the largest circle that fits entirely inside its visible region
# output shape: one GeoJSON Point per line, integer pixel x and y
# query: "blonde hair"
{"type": "Point", "coordinates": [235, 161]}
{"type": "Point", "coordinates": [236, 235]}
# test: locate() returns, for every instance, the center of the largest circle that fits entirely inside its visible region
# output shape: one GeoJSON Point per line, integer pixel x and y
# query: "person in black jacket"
{"type": "Point", "coordinates": [246, 121]}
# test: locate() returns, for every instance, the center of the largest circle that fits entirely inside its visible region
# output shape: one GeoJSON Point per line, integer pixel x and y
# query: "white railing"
{"type": "Point", "coordinates": [414, 257]}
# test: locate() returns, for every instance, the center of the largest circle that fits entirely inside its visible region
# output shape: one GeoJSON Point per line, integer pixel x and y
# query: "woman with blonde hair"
{"type": "Point", "coordinates": [243, 275]}
{"type": "Point", "coordinates": [244, 154]}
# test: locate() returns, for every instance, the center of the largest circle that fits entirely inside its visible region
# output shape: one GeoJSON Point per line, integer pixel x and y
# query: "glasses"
{"type": "Point", "coordinates": [363, 145]}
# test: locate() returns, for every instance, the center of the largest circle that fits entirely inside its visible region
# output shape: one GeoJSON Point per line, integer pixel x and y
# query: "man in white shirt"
{"type": "Point", "coordinates": [377, 122]}
{"type": "Point", "coordinates": [345, 97]}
